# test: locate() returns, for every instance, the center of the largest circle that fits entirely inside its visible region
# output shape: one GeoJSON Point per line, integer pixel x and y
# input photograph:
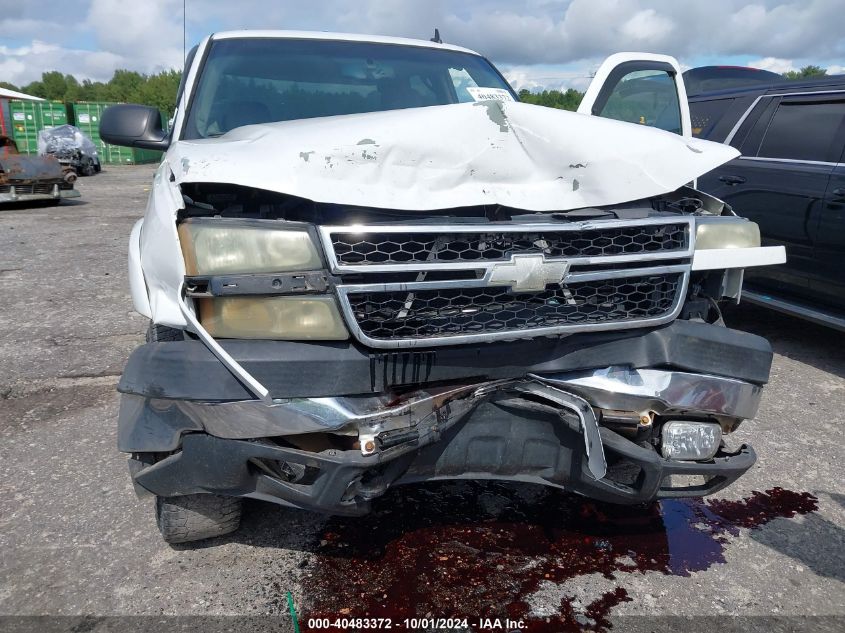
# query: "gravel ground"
{"type": "Point", "coordinates": [77, 542]}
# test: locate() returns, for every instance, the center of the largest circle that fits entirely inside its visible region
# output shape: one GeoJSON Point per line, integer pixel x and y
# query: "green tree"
{"type": "Point", "coordinates": [92, 90]}
{"type": "Point", "coordinates": [54, 85]}
{"type": "Point", "coordinates": [568, 100]}
{"type": "Point", "coordinates": [806, 72]}
{"type": "Point", "coordinates": [126, 86]}
{"type": "Point", "coordinates": [72, 89]}
{"type": "Point", "coordinates": [160, 90]}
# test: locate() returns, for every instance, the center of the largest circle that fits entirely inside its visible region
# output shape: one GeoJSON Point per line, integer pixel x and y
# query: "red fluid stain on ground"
{"type": "Point", "coordinates": [472, 550]}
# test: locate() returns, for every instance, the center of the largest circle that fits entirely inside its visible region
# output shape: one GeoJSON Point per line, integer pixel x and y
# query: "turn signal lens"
{"type": "Point", "coordinates": [726, 233]}
{"type": "Point", "coordinates": [282, 318]}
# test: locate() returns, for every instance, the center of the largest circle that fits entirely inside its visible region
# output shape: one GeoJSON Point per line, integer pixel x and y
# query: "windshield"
{"type": "Point", "coordinates": [247, 81]}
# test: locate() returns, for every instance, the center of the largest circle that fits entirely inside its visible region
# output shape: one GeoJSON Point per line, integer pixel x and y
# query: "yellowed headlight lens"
{"type": "Point", "coordinates": [283, 318]}
{"type": "Point", "coordinates": [727, 233]}
{"type": "Point", "coordinates": [218, 248]}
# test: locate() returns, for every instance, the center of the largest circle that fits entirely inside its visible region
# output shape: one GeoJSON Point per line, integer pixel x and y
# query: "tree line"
{"type": "Point", "coordinates": [159, 89]}
{"type": "Point", "coordinates": [126, 86]}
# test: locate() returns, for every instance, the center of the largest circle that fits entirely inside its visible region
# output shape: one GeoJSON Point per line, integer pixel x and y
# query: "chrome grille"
{"type": "Point", "coordinates": [449, 312]}
{"type": "Point", "coordinates": [402, 248]}
{"type": "Point", "coordinates": [22, 189]}
{"type": "Point", "coordinates": [424, 285]}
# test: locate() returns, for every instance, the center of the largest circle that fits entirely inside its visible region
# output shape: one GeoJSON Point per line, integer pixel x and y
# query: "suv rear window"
{"type": "Point", "coordinates": [803, 130]}
{"type": "Point", "coordinates": [706, 114]}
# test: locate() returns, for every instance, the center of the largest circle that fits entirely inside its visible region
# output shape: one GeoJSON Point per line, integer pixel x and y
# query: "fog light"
{"type": "Point", "coordinates": [690, 440]}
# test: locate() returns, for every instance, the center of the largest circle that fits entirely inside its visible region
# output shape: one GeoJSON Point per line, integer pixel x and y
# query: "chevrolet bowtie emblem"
{"type": "Point", "coordinates": [528, 273]}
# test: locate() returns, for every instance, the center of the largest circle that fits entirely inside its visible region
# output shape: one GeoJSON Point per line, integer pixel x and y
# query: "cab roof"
{"type": "Point", "coordinates": [345, 37]}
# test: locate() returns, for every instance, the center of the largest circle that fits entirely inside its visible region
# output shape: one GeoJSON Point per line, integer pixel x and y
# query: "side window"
{"type": "Point", "coordinates": [647, 97]}
{"type": "Point", "coordinates": [750, 133]}
{"type": "Point", "coordinates": [803, 130]}
{"type": "Point", "coordinates": [706, 114]}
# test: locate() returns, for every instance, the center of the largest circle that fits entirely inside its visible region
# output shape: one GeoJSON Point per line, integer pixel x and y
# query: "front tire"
{"type": "Point", "coordinates": [196, 517]}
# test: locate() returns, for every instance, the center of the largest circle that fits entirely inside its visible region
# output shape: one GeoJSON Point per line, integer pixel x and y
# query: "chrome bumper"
{"type": "Point", "coordinates": [56, 194]}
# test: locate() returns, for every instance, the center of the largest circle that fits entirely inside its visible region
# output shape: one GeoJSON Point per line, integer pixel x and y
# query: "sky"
{"type": "Point", "coordinates": [536, 43]}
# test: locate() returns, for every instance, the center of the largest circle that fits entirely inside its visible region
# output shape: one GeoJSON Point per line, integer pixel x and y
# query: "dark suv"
{"type": "Point", "coordinates": [790, 180]}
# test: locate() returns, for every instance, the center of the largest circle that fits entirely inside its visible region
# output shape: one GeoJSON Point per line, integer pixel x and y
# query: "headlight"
{"type": "Point", "coordinates": [215, 247]}
{"type": "Point", "coordinates": [726, 233]}
{"type": "Point", "coordinates": [288, 318]}
{"type": "Point", "coordinates": [231, 247]}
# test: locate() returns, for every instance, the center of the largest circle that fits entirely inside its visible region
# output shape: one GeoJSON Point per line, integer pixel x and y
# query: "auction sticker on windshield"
{"type": "Point", "coordinates": [489, 94]}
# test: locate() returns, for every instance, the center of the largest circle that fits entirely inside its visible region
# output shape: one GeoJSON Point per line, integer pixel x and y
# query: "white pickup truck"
{"type": "Point", "coordinates": [366, 263]}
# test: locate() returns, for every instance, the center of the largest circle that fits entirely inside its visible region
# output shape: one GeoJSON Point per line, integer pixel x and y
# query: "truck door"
{"type": "Point", "coordinates": [641, 88]}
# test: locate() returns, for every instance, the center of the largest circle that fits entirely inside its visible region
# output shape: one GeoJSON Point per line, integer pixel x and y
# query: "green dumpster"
{"type": "Point", "coordinates": [28, 117]}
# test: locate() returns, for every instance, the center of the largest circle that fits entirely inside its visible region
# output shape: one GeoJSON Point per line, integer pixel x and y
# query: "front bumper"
{"type": "Point", "coordinates": [188, 370]}
{"type": "Point", "coordinates": [459, 419]}
{"type": "Point", "coordinates": [498, 439]}
{"type": "Point", "coordinates": [14, 194]}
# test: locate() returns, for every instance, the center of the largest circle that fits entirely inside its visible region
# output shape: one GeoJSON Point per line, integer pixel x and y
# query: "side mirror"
{"type": "Point", "coordinates": [133, 126]}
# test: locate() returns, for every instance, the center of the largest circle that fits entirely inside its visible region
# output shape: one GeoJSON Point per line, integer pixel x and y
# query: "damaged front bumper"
{"type": "Point", "coordinates": [587, 431]}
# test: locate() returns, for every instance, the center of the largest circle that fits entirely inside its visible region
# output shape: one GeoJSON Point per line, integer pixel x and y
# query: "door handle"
{"type": "Point", "coordinates": [732, 180]}
{"type": "Point", "coordinates": [839, 193]}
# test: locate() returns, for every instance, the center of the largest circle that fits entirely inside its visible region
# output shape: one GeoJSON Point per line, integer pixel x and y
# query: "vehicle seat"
{"type": "Point", "coordinates": [398, 94]}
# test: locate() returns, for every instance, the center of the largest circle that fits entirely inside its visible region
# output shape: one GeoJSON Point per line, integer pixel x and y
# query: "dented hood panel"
{"type": "Point", "coordinates": [507, 153]}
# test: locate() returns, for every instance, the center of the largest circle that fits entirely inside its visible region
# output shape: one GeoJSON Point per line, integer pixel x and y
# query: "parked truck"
{"type": "Point", "coordinates": [365, 263]}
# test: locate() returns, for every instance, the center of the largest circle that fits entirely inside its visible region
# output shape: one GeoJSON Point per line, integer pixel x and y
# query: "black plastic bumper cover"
{"type": "Point", "coordinates": [187, 370]}
{"type": "Point", "coordinates": [492, 443]}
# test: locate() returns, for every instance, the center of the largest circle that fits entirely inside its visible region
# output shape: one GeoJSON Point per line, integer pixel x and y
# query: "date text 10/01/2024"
{"type": "Point", "coordinates": [414, 624]}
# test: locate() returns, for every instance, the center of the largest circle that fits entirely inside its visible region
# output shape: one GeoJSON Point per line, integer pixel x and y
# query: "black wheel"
{"type": "Point", "coordinates": [197, 517]}
{"type": "Point", "coordinates": [158, 333]}
{"type": "Point", "coordinates": [88, 169]}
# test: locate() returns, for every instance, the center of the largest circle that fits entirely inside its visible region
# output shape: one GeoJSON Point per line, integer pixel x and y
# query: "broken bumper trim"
{"type": "Point", "coordinates": [155, 425]}
{"type": "Point", "coordinates": [212, 465]}
{"type": "Point", "coordinates": [525, 430]}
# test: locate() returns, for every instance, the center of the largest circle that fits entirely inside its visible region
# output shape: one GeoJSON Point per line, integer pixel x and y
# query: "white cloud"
{"type": "Point", "coordinates": [547, 78]}
{"type": "Point", "coordinates": [647, 26]}
{"type": "Point", "coordinates": [147, 36]}
{"type": "Point", "coordinates": [16, 64]}
{"type": "Point", "coordinates": [150, 34]}
{"type": "Point", "coordinates": [774, 64]}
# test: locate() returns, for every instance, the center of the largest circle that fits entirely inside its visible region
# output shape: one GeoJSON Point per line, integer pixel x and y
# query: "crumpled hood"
{"type": "Point", "coordinates": [507, 153]}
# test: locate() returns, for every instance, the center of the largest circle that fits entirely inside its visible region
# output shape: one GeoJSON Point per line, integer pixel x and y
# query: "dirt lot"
{"type": "Point", "coordinates": [76, 541]}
